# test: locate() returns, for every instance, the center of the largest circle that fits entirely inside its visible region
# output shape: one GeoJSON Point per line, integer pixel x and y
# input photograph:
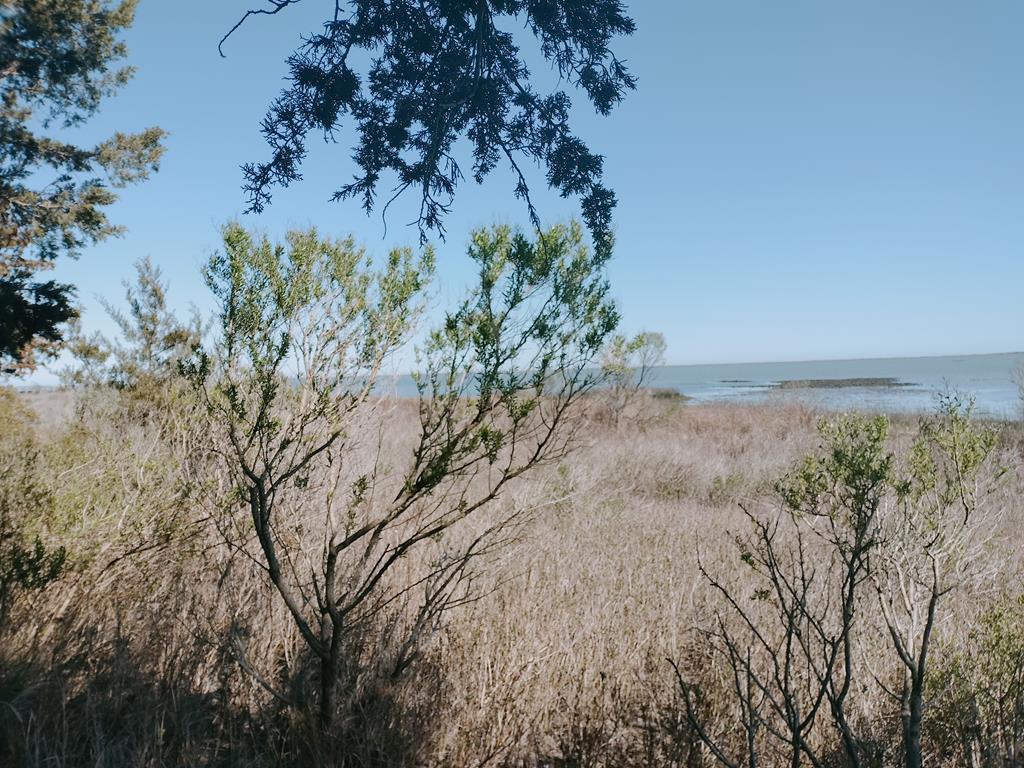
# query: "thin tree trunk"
{"type": "Point", "coordinates": [914, 759]}
{"type": "Point", "coordinates": [329, 671]}
{"type": "Point", "coordinates": [911, 716]}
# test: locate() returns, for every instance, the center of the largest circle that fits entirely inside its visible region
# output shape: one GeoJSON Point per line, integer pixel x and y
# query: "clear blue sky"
{"type": "Point", "coordinates": [797, 180]}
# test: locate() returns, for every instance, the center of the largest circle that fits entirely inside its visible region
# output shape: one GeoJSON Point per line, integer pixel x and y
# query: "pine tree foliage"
{"type": "Point", "coordinates": [417, 80]}
{"type": "Point", "coordinates": [59, 59]}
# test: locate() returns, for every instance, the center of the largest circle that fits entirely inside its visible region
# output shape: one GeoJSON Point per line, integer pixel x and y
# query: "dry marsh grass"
{"type": "Point", "coordinates": [154, 646]}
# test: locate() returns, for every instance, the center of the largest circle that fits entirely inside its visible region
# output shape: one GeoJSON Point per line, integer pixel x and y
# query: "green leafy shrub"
{"type": "Point", "coordinates": [27, 562]}
{"type": "Point", "coordinates": [143, 360]}
{"type": "Point", "coordinates": [627, 365]}
{"type": "Point", "coordinates": [978, 687]}
{"type": "Point", "coordinates": [872, 539]}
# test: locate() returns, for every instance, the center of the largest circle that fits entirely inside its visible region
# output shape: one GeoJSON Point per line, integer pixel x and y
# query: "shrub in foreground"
{"type": "Point", "coordinates": [305, 330]}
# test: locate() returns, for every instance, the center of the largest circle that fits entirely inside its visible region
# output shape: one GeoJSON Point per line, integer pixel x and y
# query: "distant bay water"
{"type": "Point", "coordinates": [893, 385]}
{"type": "Point", "coordinates": [889, 385]}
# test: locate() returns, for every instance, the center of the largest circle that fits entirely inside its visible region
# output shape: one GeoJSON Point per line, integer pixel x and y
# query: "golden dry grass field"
{"type": "Point", "coordinates": [159, 644]}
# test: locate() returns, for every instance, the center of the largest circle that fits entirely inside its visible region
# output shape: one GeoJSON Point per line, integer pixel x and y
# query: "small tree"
{"type": "Point", "coordinates": [304, 332]}
{"type": "Point", "coordinates": [58, 61]}
{"type": "Point", "coordinates": [152, 340]}
{"type": "Point", "coordinates": [792, 655]}
{"type": "Point", "coordinates": [935, 538]}
{"type": "Point", "coordinates": [627, 365]}
{"type": "Point", "coordinates": [860, 524]}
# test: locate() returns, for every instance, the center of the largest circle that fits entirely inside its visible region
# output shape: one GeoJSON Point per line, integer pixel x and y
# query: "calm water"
{"type": "Point", "coordinates": [988, 377]}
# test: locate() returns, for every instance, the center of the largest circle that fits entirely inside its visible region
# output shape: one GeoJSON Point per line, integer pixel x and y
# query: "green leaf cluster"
{"type": "Point", "coordinates": [151, 343]}
{"type": "Point", "coordinates": [309, 319]}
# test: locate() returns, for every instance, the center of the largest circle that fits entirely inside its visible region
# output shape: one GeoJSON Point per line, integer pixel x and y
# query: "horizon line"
{"type": "Point", "coordinates": [842, 359]}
